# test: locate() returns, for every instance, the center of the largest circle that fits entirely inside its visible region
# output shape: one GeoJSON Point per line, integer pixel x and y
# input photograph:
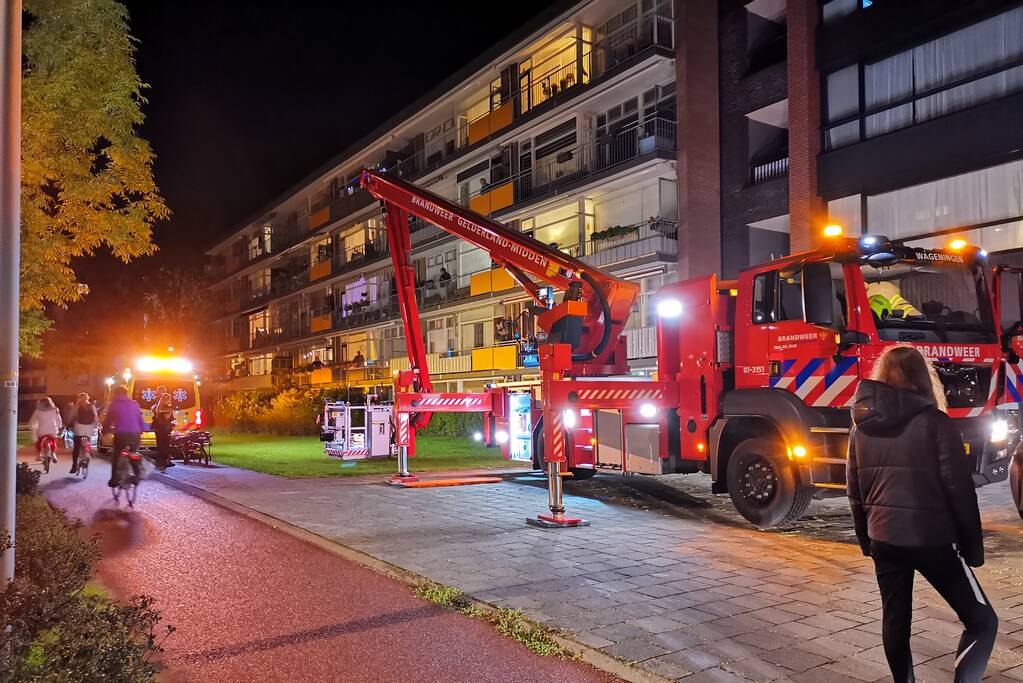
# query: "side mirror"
{"type": "Point", "coordinates": [818, 294]}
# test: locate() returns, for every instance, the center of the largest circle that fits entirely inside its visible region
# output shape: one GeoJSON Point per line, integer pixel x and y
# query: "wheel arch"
{"type": "Point", "coordinates": [753, 413]}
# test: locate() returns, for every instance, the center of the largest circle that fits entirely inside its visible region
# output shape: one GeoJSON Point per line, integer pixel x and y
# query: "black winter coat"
{"type": "Point", "coordinates": [909, 480]}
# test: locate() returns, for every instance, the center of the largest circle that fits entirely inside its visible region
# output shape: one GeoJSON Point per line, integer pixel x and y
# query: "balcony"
{"type": "Point", "coordinates": [487, 358]}
{"type": "Point", "coordinates": [625, 47]}
{"type": "Point", "coordinates": [649, 238]}
{"type": "Point", "coordinates": [651, 138]}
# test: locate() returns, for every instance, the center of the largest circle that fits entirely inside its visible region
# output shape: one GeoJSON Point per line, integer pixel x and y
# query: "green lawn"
{"type": "Point", "coordinates": [303, 456]}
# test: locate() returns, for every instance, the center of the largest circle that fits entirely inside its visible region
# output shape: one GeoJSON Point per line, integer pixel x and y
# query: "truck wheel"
{"type": "Point", "coordinates": [763, 485]}
{"type": "Point", "coordinates": [582, 473]}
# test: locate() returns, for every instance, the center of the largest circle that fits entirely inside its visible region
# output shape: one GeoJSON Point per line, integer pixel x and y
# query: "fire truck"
{"type": "Point", "coordinates": [755, 376]}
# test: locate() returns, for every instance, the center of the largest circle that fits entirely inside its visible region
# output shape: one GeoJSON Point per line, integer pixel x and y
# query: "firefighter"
{"type": "Point", "coordinates": [915, 509]}
{"type": "Point", "coordinates": [885, 298]}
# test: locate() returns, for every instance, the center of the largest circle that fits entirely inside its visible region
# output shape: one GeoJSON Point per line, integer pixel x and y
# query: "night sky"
{"type": "Point", "coordinates": [248, 97]}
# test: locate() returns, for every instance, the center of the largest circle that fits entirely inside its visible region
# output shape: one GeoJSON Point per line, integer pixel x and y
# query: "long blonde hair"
{"type": "Point", "coordinates": [903, 367]}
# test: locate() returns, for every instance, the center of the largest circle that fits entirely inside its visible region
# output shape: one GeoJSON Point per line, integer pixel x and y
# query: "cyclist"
{"type": "Point", "coordinates": [45, 423]}
{"type": "Point", "coordinates": [84, 421]}
{"type": "Point", "coordinates": [124, 418]}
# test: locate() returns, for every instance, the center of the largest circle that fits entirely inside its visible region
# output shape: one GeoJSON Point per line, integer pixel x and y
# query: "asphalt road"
{"type": "Point", "coordinates": [252, 603]}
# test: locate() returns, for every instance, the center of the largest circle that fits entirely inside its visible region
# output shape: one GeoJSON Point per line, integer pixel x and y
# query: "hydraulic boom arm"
{"type": "Point", "coordinates": [595, 306]}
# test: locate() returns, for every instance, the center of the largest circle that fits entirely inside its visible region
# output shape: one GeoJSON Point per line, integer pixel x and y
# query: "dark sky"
{"type": "Point", "coordinates": [248, 97]}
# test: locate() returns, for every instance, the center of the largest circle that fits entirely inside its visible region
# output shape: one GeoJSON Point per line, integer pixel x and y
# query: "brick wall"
{"type": "Point", "coordinates": [699, 175]}
{"type": "Point", "coordinates": [806, 209]}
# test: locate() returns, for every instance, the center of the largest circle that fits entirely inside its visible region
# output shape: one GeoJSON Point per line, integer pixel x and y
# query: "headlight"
{"type": "Point", "coordinates": [648, 410]}
{"type": "Point", "coordinates": [569, 419]}
{"type": "Point", "coordinates": [502, 437]}
{"type": "Point", "coordinates": [669, 308]}
{"type": "Point", "coordinates": [999, 431]}
{"type": "Point", "coordinates": [477, 436]}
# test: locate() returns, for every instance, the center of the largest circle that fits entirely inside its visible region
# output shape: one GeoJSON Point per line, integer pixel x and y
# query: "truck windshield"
{"type": "Point", "coordinates": [914, 302]}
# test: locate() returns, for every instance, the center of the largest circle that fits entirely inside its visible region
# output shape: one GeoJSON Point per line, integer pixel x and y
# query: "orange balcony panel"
{"type": "Point", "coordinates": [479, 129]}
{"type": "Point", "coordinates": [500, 280]}
{"type": "Point", "coordinates": [480, 283]}
{"type": "Point", "coordinates": [321, 376]}
{"type": "Point", "coordinates": [501, 197]}
{"type": "Point", "coordinates": [320, 323]}
{"type": "Point", "coordinates": [481, 204]}
{"type": "Point", "coordinates": [321, 269]}
{"type": "Point", "coordinates": [319, 218]}
{"type": "Point", "coordinates": [501, 117]}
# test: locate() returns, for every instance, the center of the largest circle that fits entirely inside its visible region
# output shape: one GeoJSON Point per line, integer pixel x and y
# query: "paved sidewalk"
{"type": "Point", "coordinates": [252, 603]}
{"type": "Point", "coordinates": [686, 593]}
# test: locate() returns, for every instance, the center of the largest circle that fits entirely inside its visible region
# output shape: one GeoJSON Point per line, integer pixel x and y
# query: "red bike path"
{"type": "Point", "coordinates": [253, 603]}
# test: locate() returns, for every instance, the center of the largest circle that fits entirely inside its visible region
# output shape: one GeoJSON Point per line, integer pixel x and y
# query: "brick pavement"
{"type": "Point", "coordinates": [680, 592]}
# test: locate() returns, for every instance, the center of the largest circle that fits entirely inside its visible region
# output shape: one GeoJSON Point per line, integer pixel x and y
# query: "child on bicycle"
{"type": "Point", "coordinates": [45, 423]}
{"type": "Point", "coordinates": [84, 422]}
{"type": "Point", "coordinates": [124, 419]}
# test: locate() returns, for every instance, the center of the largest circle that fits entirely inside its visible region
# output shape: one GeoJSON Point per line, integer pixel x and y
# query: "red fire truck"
{"type": "Point", "coordinates": [754, 378]}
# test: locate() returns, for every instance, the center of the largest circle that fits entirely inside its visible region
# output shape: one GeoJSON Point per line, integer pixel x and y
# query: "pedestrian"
{"type": "Point", "coordinates": [163, 423]}
{"type": "Point", "coordinates": [124, 419]}
{"type": "Point", "coordinates": [45, 422]}
{"type": "Point", "coordinates": [915, 509]}
{"type": "Point", "coordinates": [84, 422]}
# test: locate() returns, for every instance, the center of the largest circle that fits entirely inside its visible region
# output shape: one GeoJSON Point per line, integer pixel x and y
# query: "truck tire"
{"type": "Point", "coordinates": [763, 485]}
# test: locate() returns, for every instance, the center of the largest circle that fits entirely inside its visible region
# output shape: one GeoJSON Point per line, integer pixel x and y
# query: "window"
{"type": "Point", "coordinates": [971, 66]}
{"type": "Point", "coordinates": [777, 296]}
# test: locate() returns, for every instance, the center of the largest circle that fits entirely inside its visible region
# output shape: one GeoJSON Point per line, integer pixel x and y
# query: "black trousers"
{"type": "Point", "coordinates": [949, 574]}
{"type": "Point", "coordinates": [76, 451]}
{"type": "Point", "coordinates": [163, 446]}
{"type": "Point", "coordinates": [129, 441]}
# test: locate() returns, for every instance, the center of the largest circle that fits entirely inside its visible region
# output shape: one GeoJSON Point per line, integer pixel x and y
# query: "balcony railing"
{"type": "Point", "coordinates": [648, 138]}
{"type": "Point", "coordinates": [658, 236]}
{"type": "Point", "coordinates": [622, 47]}
{"type": "Point", "coordinates": [769, 170]}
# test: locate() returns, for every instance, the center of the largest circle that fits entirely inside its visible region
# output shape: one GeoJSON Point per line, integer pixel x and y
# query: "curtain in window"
{"type": "Point", "coordinates": [973, 49]}
{"type": "Point", "coordinates": [885, 82]}
{"type": "Point", "coordinates": [846, 211]}
{"type": "Point", "coordinates": [978, 197]}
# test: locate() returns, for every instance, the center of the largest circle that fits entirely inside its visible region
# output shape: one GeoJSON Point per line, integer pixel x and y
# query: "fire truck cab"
{"type": "Point", "coordinates": [767, 366]}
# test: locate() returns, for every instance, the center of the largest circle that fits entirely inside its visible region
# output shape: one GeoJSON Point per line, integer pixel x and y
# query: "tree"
{"type": "Point", "coordinates": [87, 177]}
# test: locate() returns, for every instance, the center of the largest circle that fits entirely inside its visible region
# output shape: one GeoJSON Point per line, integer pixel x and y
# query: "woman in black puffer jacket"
{"type": "Point", "coordinates": [915, 508]}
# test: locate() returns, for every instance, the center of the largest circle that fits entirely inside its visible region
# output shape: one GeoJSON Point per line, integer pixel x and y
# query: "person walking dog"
{"type": "Point", "coordinates": [915, 508]}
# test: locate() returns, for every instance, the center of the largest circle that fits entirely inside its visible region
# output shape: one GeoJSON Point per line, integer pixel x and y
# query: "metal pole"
{"type": "Point", "coordinates": [10, 266]}
{"type": "Point", "coordinates": [403, 461]}
{"type": "Point", "coordinates": [555, 495]}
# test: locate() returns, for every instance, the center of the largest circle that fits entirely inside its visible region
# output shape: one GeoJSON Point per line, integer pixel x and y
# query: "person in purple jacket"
{"type": "Point", "coordinates": [124, 419]}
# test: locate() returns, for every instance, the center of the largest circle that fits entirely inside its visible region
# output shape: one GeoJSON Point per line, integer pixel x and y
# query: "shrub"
{"type": "Point", "coordinates": [239, 411]}
{"type": "Point", "coordinates": [26, 480]}
{"type": "Point", "coordinates": [291, 412]}
{"type": "Point", "coordinates": [53, 632]}
{"type": "Point", "coordinates": [453, 424]}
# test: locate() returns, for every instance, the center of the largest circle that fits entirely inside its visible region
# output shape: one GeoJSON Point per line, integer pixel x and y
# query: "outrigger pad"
{"type": "Point", "coordinates": [413, 483]}
{"type": "Point", "coordinates": [549, 522]}
{"type": "Point", "coordinates": [395, 480]}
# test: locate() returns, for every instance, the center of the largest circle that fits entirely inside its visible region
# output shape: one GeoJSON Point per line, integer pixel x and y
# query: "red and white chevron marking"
{"type": "Point", "coordinates": [557, 438]}
{"type": "Point", "coordinates": [403, 437]}
{"type": "Point", "coordinates": [467, 401]}
{"type": "Point", "coordinates": [618, 394]}
{"type": "Point", "coordinates": [354, 453]}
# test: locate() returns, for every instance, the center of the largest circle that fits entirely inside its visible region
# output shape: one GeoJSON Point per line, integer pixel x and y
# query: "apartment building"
{"type": "Point", "coordinates": [655, 140]}
{"type": "Point", "coordinates": [566, 131]}
{"type": "Point", "coordinates": [896, 117]}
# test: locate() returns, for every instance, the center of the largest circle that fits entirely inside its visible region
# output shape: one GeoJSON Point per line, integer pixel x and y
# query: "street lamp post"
{"type": "Point", "coordinates": [10, 266]}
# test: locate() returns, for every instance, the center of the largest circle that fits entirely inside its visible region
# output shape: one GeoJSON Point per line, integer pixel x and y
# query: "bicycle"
{"type": "Point", "coordinates": [123, 479]}
{"type": "Point", "coordinates": [48, 451]}
{"type": "Point", "coordinates": [84, 458]}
